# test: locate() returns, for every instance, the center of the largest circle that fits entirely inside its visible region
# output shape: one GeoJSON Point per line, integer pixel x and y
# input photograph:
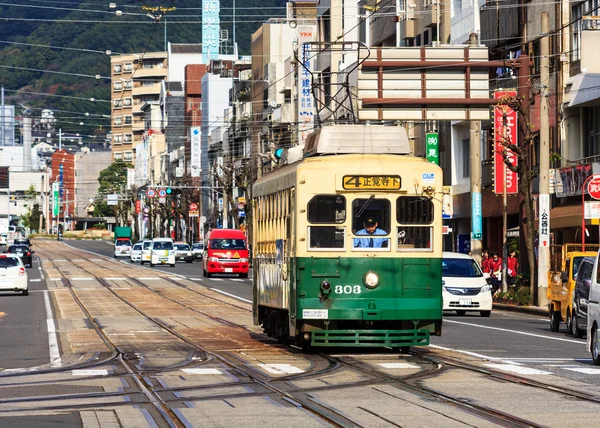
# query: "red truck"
{"type": "Point", "coordinates": [226, 251]}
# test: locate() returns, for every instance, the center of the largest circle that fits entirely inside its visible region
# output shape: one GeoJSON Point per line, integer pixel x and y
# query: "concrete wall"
{"type": "Point", "coordinates": [87, 170]}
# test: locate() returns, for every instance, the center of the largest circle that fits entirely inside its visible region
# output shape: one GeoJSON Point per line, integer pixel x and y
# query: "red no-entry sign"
{"type": "Point", "coordinates": [593, 187]}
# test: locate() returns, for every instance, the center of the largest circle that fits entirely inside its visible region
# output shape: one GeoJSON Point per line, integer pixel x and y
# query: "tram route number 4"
{"type": "Point", "coordinates": [347, 289]}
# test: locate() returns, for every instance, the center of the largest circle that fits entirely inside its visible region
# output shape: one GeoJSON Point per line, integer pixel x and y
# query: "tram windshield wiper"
{"type": "Point", "coordinates": [364, 207]}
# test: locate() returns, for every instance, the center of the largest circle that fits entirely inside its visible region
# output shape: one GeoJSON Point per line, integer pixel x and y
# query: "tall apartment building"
{"type": "Point", "coordinates": [135, 80]}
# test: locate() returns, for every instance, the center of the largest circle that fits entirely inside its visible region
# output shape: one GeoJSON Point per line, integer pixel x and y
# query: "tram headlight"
{"type": "Point", "coordinates": [371, 279]}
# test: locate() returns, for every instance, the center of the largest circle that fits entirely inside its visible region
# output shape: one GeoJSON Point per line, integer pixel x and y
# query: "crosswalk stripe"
{"type": "Point", "coordinates": [281, 368]}
{"type": "Point", "coordinates": [215, 279]}
{"type": "Point", "coordinates": [398, 366]}
{"type": "Point", "coordinates": [202, 371]}
{"type": "Point", "coordinates": [513, 368]}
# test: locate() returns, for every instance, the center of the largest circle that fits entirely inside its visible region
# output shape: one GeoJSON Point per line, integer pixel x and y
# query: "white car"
{"type": "Point", "coordinates": [122, 247]}
{"type": "Point", "coordinates": [146, 249]}
{"type": "Point", "coordinates": [197, 250]}
{"type": "Point", "coordinates": [136, 253]}
{"type": "Point", "coordinates": [162, 252]}
{"type": "Point", "coordinates": [13, 276]}
{"type": "Point", "coordinates": [464, 288]}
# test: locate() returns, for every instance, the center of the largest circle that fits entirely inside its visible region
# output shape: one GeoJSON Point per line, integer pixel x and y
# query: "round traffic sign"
{"type": "Point", "coordinates": [151, 193]}
{"type": "Point", "coordinates": [203, 219]}
{"type": "Point", "coordinates": [162, 193]}
{"type": "Point", "coordinates": [193, 207]}
{"type": "Point", "coordinates": [593, 187]}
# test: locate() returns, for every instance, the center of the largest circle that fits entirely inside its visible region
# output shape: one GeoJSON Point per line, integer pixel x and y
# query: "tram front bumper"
{"type": "Point", "coordinates": [370, 338]}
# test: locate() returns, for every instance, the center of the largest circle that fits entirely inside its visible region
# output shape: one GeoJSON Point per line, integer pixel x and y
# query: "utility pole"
{"type": "Point", "coordinates": [504, 213]}
{"type": "Point", "coordinates": [2, 96]}
{"type": "Point", "coordinates": [475, 168]}
{"type": "Point", "coordinates": [544, 198]}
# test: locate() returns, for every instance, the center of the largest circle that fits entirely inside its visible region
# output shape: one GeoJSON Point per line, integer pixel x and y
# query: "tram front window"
{"type": "Point", "coordinates": [322, 210]}
{"type": "Point", "coordinates": [371, 222]}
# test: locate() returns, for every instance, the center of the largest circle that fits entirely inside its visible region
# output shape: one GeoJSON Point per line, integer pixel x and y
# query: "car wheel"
{"type": "Point", "coordinates": [569, 321]}
{"type": "Point", "coordinates": [173, 265]}
{"type": "Point", "coordinates": [485, 314]}
{"type": "Point", "coordinates": [575, 330]}
{"type": "Point", "coordinates": [204, 272]}
{"type": "Point", "coordinates": [595, 348]}
{"type": "Point", "coordinates": [25, 292]}
{"type": "Point", "coordinates": [554, 320]}
{"type": "Point", "coordinates": [142, 263]}
{"type": "Point", "coordinates": [208, 274]}
{"type": "Point", "coordinates": [151, 265]}
{"type": "Point", "coordinates": [244, 275]}
{"type": "Point", "coordinates": [189, 261]}
{"type": "Point", "coordinates": [461, 313]}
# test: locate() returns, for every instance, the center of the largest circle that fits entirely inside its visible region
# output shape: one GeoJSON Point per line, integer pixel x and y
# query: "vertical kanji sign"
{"type": "Point", "coordinates": [510, 133]}
{"type": "Point", "coordinates": [432, 139]}
{"type": "Point", "coordinates": [544, 227]}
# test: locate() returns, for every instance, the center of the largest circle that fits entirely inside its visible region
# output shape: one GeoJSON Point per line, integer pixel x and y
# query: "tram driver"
{"type": "Point", "coordinates": [370, 229]}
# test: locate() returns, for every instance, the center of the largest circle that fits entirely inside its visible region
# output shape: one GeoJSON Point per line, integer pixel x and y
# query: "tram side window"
{"type": "Point", "coordinates": [326, 209]}
{"type": "Point", "coordinates": [414, 210]}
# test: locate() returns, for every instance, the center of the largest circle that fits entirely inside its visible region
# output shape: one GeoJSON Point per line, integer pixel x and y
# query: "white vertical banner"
{"type": "Point", "coordinates": [195, 152]}
{"type": "Point", "coordinates": [544, 220]}
{"type": "Point", "coordinates": [305, 99]}
{"type": "Point", "coordinates": [130, 177]}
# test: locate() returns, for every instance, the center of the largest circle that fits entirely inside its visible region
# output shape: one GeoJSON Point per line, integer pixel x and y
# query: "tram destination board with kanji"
{"type": "Point", "coordinates": [371, 182]}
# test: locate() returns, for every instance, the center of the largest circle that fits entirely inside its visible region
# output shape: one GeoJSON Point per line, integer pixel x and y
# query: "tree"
{"type": "Point", "coordinates": [31, 220]}
{"type": "Point", "coordinates": [113, 179]}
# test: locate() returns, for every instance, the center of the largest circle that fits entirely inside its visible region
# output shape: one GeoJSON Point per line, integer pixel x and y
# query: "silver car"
{"type": "Point", "coordinates": [136, 253]}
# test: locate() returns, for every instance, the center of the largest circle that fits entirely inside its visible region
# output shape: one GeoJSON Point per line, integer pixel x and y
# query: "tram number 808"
{"type": "Point", "coordinates": [347, 289]}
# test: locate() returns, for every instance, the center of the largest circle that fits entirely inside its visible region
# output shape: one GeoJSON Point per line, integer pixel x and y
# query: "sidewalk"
{"type": "Point", "coordinates": [535, 310]}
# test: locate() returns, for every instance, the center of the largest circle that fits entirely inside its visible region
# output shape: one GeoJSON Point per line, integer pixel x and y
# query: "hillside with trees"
{"type": "Point", "coordinates": [51, 48]}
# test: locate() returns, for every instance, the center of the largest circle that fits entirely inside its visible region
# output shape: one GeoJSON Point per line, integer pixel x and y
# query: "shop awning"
{"type": "Point", "coordinates": [565, 216]}
{"type": "Point", "coordinates": [585, 90]}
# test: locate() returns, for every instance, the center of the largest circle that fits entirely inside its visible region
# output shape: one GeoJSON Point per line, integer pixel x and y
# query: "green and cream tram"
{"type": "Point", "coordinates": [320, 276]}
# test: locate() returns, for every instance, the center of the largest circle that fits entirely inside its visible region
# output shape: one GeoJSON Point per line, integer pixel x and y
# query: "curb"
{"type": "Point", "coordinates": [535, 310]}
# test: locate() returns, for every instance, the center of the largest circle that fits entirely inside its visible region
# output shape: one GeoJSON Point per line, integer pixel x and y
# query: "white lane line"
{"type": "Point", "coordinates": [473, 354]}
{"type": "Point", "coordinates": [35, 280]}
{"type": "Point", "coordinates": [89, 372]}
{"type": "Point", "coordinates": [202, 371]}
{"type": "Point", "coordinates": [540, 336]}
{"type": "Point", "coordinates": [177, 277]}
{"type": "Point", "coordinates": [583, 370]}
{"type": "Point", "coordinates": [52, 339]}
{"type": "Point", "coordinates": [78, 260]}
{"type": "Point", "coordinates": [149, 278]}
{"type": "Point", "coordinates": [281, 368]}
{"type": "Point", "coordinates": [54, 279]}
{"type": "Point", "coordinates": [398, 366]}
{"type": "Point", "coordinates": [517, 369]}
{"type": "Point", "coordinates": [237, 280]}
{"type": "Point", "coordinates": [115, 278]}
{"type": "Point", "coordinates": [82, 279]}
{"type": "Point", "coordinates": [196, 279]}
{"type": "Point", "coordinates": [216, 279]}
{"type": "Point", "coordinates": [231, 295]}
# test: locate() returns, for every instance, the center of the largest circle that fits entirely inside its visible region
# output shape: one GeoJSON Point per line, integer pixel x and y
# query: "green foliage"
{"type": "Point", "coordinates": [514, 296]}
{"type": "Point", "coordinates": [114, 178]}
{"type": "Point", "coordinates": [98, 226]}
{"type": "Point", "coordinates": [66, 27]}
{"type": "Point", "coordinates": [102, 209]}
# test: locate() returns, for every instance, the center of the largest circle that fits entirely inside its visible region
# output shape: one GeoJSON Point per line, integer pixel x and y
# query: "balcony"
{"type": "Point", "coordinates": [429, 15]}
{"type": "Point", "coordinates": [155, 72]}
{"type": "Point", "coordinates": [138, 125]}
{"type": "Point", "coordinates": [152, 89]}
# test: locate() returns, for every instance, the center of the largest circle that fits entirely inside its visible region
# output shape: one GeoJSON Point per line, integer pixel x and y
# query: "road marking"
{"type": "Point", "coordinates": [196, 279]}
{"type": "Point", "coordinates": [202, 371]}
{"type": "Point", "coordinates": [55, 279]}
{"type": "Point", "coordinates": [96, 260]}
{"type": "Point", "coordinates": [52, 339]}
{"type": "Point", "coordinates": [82, 279]}
{"type": "Point", "coordinates": [398, 366]}
{"type": "Point", "coordinates": [59, 260]}
{"type": "Point", "coordinates": [512, 368]}
{"type": "Point", "coordinates": [541, 336]}
{"type": "Point", "coordinates": [88, 372]}
{"type": "Point", "coordinates": [237, 280]}
{"type": "Point", "coordinates": [281, 368]}
{"type": "Point", "coordinates": [78, 260]}
{"type": "Point", "coordinates": [177, 277]}
{"type": "Point", "coordinates": [35, 280]}
{"type": "Point", "coordinates": [115, 279]}
{"type": "Point", "coordinates": [583, 370]}
{"type": "Point", "coordinates": [143, 331]}
{"type": "Point", "coordinates": [231, 295]}
{"type": "Point", "coordinates": [149, 278]}
{"type": "Point", "coordinates": [216, 279]}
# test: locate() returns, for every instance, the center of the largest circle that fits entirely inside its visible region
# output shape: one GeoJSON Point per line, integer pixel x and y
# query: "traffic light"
{"type": "Point", "coordinates": [169, 190]}
{"type": "Point", "coordinates": [279, 153]}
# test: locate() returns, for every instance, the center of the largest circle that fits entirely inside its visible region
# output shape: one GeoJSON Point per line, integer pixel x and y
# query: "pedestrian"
{"type": "Point", "coordinates": [486, 261]}
{"type": "Point", "coordinates": [370, 228]}
{"type": "Point", "coordinates": [512, 264]}
{"type": "Point", "coordinates": [496, 274]}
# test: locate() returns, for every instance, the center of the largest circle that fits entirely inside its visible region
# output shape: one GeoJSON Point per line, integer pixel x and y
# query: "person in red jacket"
{"type": "Point", "coordinates": [496, 267]}
{"type": "Point", "coordinates": [512, 265]}
{"type": "Point", "coordinates": [486, 261]}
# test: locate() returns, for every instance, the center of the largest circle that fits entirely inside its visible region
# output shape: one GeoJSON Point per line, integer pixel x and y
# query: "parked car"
{"type": "Point", "coordinates": [122, 247]}
{"type": "Point", "coordinates": [464, 287]}
{"type": "Point", "coordinates": [22, 241]}
{"type": "Point", "coordinates": [136, 252]}
{"type": "Point", "coordinates": [198, 250]}
{"type": "Point", "coordinates": [146, 250]}
{"type": "Point", "coordinates": [226, 252]}
{"type": "Point", "coordinates": [3, 238]}
{"type": "Point", "coordinates": [23, 251]}
{"type": "Point", "coordinates": [162, 252]}
{"type": "Point", "coordinates": [581, 297]}
{"type": "Point", "coordinates": [13, 276]}
{"type": "Point", "coordinates": [183, 252]}
{"type": "Point", "coordinates": [593, 320]}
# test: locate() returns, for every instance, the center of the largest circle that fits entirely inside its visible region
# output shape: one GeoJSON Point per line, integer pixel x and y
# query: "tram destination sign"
{"type": "Point", "coordinates": [371, 182]}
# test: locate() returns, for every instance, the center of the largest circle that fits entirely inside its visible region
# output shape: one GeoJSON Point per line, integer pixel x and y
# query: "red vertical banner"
{"type": "Point", "coordinates": [138, 206]}
{"type": "Point", "coordinates": [500, 134]}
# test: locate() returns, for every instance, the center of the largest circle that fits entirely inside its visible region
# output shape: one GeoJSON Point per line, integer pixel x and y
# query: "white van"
{"type": "Point", "coordinates": [162, 252]}
{"type": "Point", "coordinates": [464, 287]}
{"type": "Point", "coordinates": [593, 313]}
{"type": "Point", "coordinates": [146, 250]}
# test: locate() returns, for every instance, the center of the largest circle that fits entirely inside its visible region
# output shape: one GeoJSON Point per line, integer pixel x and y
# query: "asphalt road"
{"type": "Point", "coordinates": [23, 325]}
{"type": "Point", "coordinates": [240, 288]}
{"type": "Point", "coordinates": [515, 339]}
